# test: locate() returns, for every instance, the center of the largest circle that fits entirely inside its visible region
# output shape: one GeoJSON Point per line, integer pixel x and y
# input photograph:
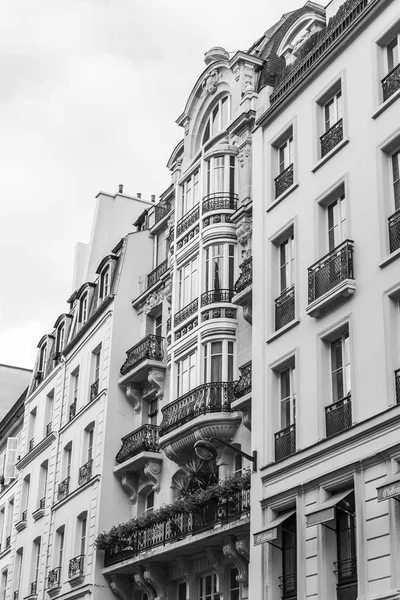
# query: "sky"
{"type": "Point", "coordinates": [90, 93]}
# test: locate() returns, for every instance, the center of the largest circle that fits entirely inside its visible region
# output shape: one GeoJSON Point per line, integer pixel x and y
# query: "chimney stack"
{"type": "Point", "coordinates": [153, 197]}
{"type": "Point", "coordinates": [139, 195]}
{"type": "Point", "coordinates": [120, 188]}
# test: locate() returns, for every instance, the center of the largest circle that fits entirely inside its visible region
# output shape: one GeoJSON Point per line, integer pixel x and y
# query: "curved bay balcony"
{"type": "Point", "coordinates": [141, 357]}
{"type": "Point", "coordinates": [188, 220]}
{"type": "Point", "coordinates": [186, 312]}
{"type": "Point", "coordinates": [219, 201]}
{"type": "Point", "coordinates": [204, 412]}
{"type": "Point", "coordinates": [216, 296]}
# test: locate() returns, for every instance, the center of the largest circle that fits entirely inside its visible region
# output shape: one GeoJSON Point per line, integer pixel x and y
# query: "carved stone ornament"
{"type": "Point", "coordinates": [157, 577]}
{"type": "Point", "coordinates": [185, 565]}
{"type": "Point", "coordinates": [152, 473]}
{"type": "Point", "coordinates": [134, 394]}
{"type": "Point", "coordinates": [156, 380]}
{"type": "Point", "coordinates": [130, 484]}
{"type": "Point", "coordinates": [248, 312]}
{"type": "Point", "coordinates": [144, 585]}
{"type": "Point", "coordinates": [230, 551]}
{"type": "Point", "coordinates": [249, 78]}
{"type": "Point", "coordinates": [244, 232]}
{"type": "Point", "coordinates": [186, 125]}
{"type": "Point", "coordinates": [153, 300]}
{"type": "Point", "coordinates": [210, 83]}
{"type": "Point", "coordinates": [121, 587]}
{"type": "Point", "coordinates": [246, 417]}
{"type": "Point", "coordinates": [215, 558]}
{"type": "Point", "coordinates": [244, 153]}
{"type": "Point", "coordinates": [242, 546]}
{"type": "Point", "coordinates": [167, 291]}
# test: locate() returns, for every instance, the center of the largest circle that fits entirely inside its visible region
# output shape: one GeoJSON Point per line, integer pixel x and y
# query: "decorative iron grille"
{"type": "Point", "coordinates": [151, 348]}
{"type": "Point", "coordinates": [283, 181]}
{"type": "Point", "coordinates": [34, 587]}
{"type": "Point", "coordinates": [160, 211]}
{"type": "Point", "coordinates": [346, 570]}
{"type": "Point", "coordinates": [329, 271]}
{"type": "Point", "coordinates": [338, 416]}
{"type": "Point", "coordinates": [332, 137]}
{"type": "Point", "coordinates": [216, 296]}
{"type": "Point", "coordinates": [94, 389]}
{"type": "Point", "coordinates": [397, 381]}
{"type": "Point", "coordinates": [63, 489]}
{"type": "Point", "coordinates": [75, 568]}
{"type": "Point", "coordinates": [31, 444]}
{"type": "Point", "coordinates": [206, 398]}
{"type": "Point", "coordinates": [85, 472]}
{"type": "Point", "coordinates": [394, 231]}
{"type": "Point", "coordinates": [156, 273]}
{"type": "Point", "coordinates": [144, 439]}
{"type": "Point", "coordinates": [220, 201]}
{"type": "Point", "coordinates": [48, 429]}
{"type": "Point", "coordinates": [391, 83]}
{"type": "Point", "coordinates": [53, 578]}
{"type": "Point", "coordinates": [188, 220]}
{"type": "Point", "coordinates": [285, 442]}
{"type": "Point", "coordinates": [289, 586]}
{"type": "Point", "coordinates": [186, 312]}
{"type": "Point", "coordinates": [246, 276]}
{"type": "Point", "coordinates": [284, 308]}
{"type": "Point", "coordinates": [72, 410]}
{"type": "Point", "coordinates": [243, 386]}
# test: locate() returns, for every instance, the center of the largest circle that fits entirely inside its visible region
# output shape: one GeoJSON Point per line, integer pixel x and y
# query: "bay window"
{"type": "Point", "coordinates": [217, 120]}
{"type": "Point", "coordinates": [219, 267]}
{"type": "Point", "coordinates": [186, 374]}
{"type": "Point", "coordinates": [188, 283]}
{"type": "Point", "coordinates": [190, 193]}
{"type": "Point", "coordinates": [218, 361]}
{"type": "Point", "coordinates": [220, 175]}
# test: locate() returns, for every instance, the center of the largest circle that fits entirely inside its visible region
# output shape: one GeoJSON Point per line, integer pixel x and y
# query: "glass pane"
{"type": "Point", "coordinates": [224, 112]}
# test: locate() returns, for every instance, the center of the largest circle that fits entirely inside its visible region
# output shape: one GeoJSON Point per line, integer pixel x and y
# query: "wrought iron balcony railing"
{"type": "Point", "coordinates": [188, 220]}
{"type": "Point", "coordinates": [397, 381]}
{"type": "Point", "coordinates": [63, 489]}
{"type": "Point", "coordinates": [346, 570]}
{"type": "Point", "coordinates": [243, 385]}
{"type": "Point", "coordinates": [72, 409]}
{"type": "Point", "coordinates": [85, 472]}
{"type": "Point", "coordinates": [338, 416]}
{"type": "Point", "coordinates": [246, 276]}
{"type": "Point", "coordinates": [48, 429]}
{"type": "Point", "coordinates": [168, 324]}
{"type": "Point", "coordinates": [16, 595]}
{"type": "Point", "coordinates": [31, 444]}
{"type": "Point", "coordinates": [288, 586]}
{"type": "Point", "coordinates": [206, 398]}
{"type": "Point", "coordinates": [160, 211]}
{"type": "Point", "coordinates": [331, 270]}
{"type": "Point", "coordinates": [283, 181]}
{"type": "Point", "coordinates": [24, 515]}
{"type": "Point", "coordinates": [285, 442]}
{"type": "Point", "coordinates": [394, 231]}
{"type": "Point", "coordinates": [144, 439]}
{"type": "Point", "coordinates": [186, 312]}
{"type": "Point", "coordinates": [181, 525]}
{"type": "Point", "coordinates": [391, 83]}
{"type": "Point", "coordinates": [150, 348]}
{"type": "Point", "coordinates": [42, 502]}
{"type": "Point", "coordinates": [331, 137]}
{"type": "Point", "coordinates": [284, 308]}
{"type": "Point", "coordinates": [220, 201]}
{"type": "Point", "coordinates": [216, 296]}
{"type": "Point", "coordinates": [75, 567]}
{"type": "Point", "coordinates": [53, 578]}
{"type": "Point", "coordinates": [8, 541]}
{"type": "Point", "coordinates": [156, 273]}
{"type": "Point", "coordinates": [94, 389]}
{"type": "Point", "coordinates": [33, 588]}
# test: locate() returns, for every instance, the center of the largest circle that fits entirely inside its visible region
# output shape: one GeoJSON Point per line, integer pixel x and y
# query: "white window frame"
{"type": "Point", "coordinates": [285, 154]}
{"type": "Point", "coordinates": [219, 261]}
{"type": "Point", "coordinates": [60, 337]}
{"type": "Point", "coordinates": [330, 119]}
{"type": "Point", "coordinates": [286, 263]}
{"type": "Point", "coordinates": [214, 587]}
{"type": "Point", "coordinates": [228, 358]}
{"type": "Point", "coordinates": [395, 158]}
{"type": "Point", "coordinates": [43, 359]}
{"type": "Point", "coordinates": [186, 365]}
{"type": "Point", "coordinates": [188, 284]}
{"type": "Point", "coordinates": [288, 398]}
{"type": "Point", "coordinates": [215, 116]}
{"type": "Point", "coordinates": [220, 174]}
{"type": "Point", "coordinates": [105, 280]}
{"type": "Point", "coordinates": [83, 308]}
{"type": "Point", "coordinates": [339, 227]}
{"type": "Point", "coordinates": [190, 192]}
{"type": "Point", "coordinates": [392, 62]}
{"type": "Point", "coordinates": [96, 365]}
{"type": "Point", "coordinates": [345, 369]}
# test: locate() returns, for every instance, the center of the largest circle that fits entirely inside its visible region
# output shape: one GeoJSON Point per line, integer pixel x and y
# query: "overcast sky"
{"type": "Point", "coordinates": [90, 93]}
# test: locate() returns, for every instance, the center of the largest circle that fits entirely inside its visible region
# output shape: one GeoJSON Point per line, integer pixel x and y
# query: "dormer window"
{"type": "Point", "coordinates": [83, 308]}
{"type": "Point", "coordinates": [43, 359]}
{"type": "Point", "coordinates": [104, 283]}
{"type": "Point", "coordinates": [217, 120]}
{"type": "Point", "coordinates": [60, 338]}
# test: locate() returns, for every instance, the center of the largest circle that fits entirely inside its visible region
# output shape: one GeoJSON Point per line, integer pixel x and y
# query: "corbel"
{"type": "Point", "coordinates": [144, 585]}
{"type": "Point", "coordinates": [185, 565]}
{"type": "Point", "coordinates": [156, 380]}
{"type": "Point", "coordinates": [152, 472]}
{"type": "Point", "coordinates": [230, 551]}
{"type": "Point", "coordinates": [121, 587]}
{"type": "Point", "coordinates": [157, 577]}
{"type": "Point", "coordinates": [134, 394]}
{"type": "Point", "coordinates": [130, 484]}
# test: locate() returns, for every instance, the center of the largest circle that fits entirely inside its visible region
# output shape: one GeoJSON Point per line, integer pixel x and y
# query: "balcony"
{"type": "Point", "coordinates": [288, 586]}
{"type": "Point", "coordinates": [188, 220]}
{"type": "Point", "coordinates": [16, 595]}
{"type": "Point", "coordinates": [394, 231]}
{"type": "Point", "coordinates": [48, 429]}
{"type": "Point", "coordinates": [216, 296]}
{"type": "Point", "coordinates": [284, 181]}
{"type": "Point", "coordinates": [34, 588]}
{"type": "Point", "coordinates": [338, 416]}
{"type": "Point", "coordinates": [85, 472]}
{"type": "Point", "coordinates": [397, 383]}
{"type": "Point", "coordinates": [284, 308]}
{"type": "Point", "coordinates": [72, 410]}
{"type": "Point", "coordinates": [391, 83]}
{"type": "Point", "coordinates": [186, 312]}
{"type": "Point", "coordinates": [217, 511]}
{"type": "Point", "coordinates": [75, 569]}
{"type": "Point", "coordinates": [31, 444]}
{"type": "Point", "coordinates": [220, 201]}
{"type": "Point", "coordinates": [21, 524]}
{"type": "Point", "coordinates": [39, 512]}
{"type": "Point", "coordinates": [94, 389]}
{"type": "Point", "coordinates": [161, 211]}
{"type": "Point", "coordinates": [63, 489]}
{"type": "Point", "coordinates": [331, 137]}
{"type": "Point", "coordinates": [285, 442]}
{"type": "Point", "coordinates": [243, 289]}
{"type": "Point", "coordinates": [149, 350]}
{"type": "Point", "coordinates": [156, 273]}
{"type": "Point", "coordinates": [144, 439]}
{"type": "Point", "coordinates": [243, 386]}
{"type": "Point", "coordinates": [330, 278]}
{"type": "Point", "coordinates": [53, 580]}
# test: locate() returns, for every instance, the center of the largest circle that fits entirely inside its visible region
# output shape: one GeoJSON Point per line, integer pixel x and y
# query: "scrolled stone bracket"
{"type": "Point", "coordinates": [130, 484]}
{"type": "Point", "coordinates": [157, 577]}
{"type": "Point", "coordinates": [134, 394]}
{"type": "Point", "coordinates": [231, 552]}
{"type": "Point", "coordinates": [152, 472]}
{"type": "Point", "coordinates": [144, 585]}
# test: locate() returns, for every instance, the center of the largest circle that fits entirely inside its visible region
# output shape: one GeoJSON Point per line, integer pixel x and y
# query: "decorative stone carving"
{"type": "Point", "coordinates": [157, 577]}
{"type": "Point", "coordinates": [186, 125]}
{"type": "Point", "coordinates": [210, 83]}
{"type": "Point", "coordinates": [230, 551]}
{"type": "Point", "coordinates": [121, 587]}
{"type": "Point", "coordinates": [244, 232]}
{"type": "Point", "coordinates": [186, 566]}
{"type": "Point", "coordinates": [156, 379]}
{"type": "Point", "coordinates": [153, 300]}
{"type": "Point", "coordinates": [167, 291]}
{"type": "Point", "coordinates": [130, 484]}
{"type": "Point", "coordinates": [242, 546]}
{"type": "Point", "coordinates": [244, 153]}
{"type": "Point", "coordinates": [142, 583]}
{"type": "Point", "coordinates": [249, 78]}
{"type": "Point", "coordinates": [215, 558]}
{"type": "Point", "coordinates": [215, 53]}
{"type": "Point", "coordinates": [152, 472]}
{"type": "Point", "coordinates": [134, 394]}
{"type": "Point", "coordinates": [248, 312]}
{"type": "Point", "coordinates": [246, 418]}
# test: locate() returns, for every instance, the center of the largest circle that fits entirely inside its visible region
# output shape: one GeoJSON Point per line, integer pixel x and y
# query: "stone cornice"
{"type": "Point", "coordinates": [76, 492]}
{"type": "Point", "coordinates": [42, 445]}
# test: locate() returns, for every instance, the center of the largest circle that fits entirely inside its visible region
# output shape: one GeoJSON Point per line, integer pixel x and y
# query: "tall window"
{"type": "Point", "coordinates": [4, 581]}
{"type": "Point", "coordinates": [49, 411]}
{"type": "Point", "coordinates": [18, 571]}
{"type": "Point", "coordinates": [153, 410]}
{"type": "Point", "coordinates": [219, 267]}
{"type": "Point", "coordinates": [190, 193]}
{"type": "Point", "coordinates": [288, 397]}
{"type": "Point", "coordinates": [67, 460]}
{"type": "Point", "coordinates": [96, 365]}
{"type": "Point", "coordinates": [393, 53]}
{"type": "Point", "coordinates": [333, 110]}
{"type": "Point", "coordinates": [235, 586]}
{"type": "Point", "coordinates": [104, 283]}
{"type": "Point", "coordinates": [188, 283]}
{"type": "Point", "coordinates": [396, 178]}
{"type": "Point", "coordinates": [289, 558]}
{"type": "Point", "coordinates": [182, 590]}
{"type": "Point", "coordinates": [286, 263]}
{"type": "Point", "coordinates": [208, 587]}
{"type": "Point", "coordinates": [340, 367]}
{"type": "Point", "coordinates": [150, 502]}
{"type": "Point", "coordinates": [43, 359]}
{"type": "Point", "coordinates": [60, 545]}
{"type": "Point", "coordinates": [336, 222]}
{"type": "Point", "coordinates": [346, 547]}
{"type": "Point", "coordinates": [89, 442]}
{"type": "Point", "coordinates": [36, 558]}
{"type": "Point", "coordinates": [60, 338]}
{"type": "Point", "coordinates": [43, 481]}
{"type": "Point", "coordinates": [220, 175]}
{"type": "Point", "coordinates": [83, 308]}
{"type": "Point", "coordinates": [83, 524]}
{"type": "Point", "coordinates": [75, 385]}
{"type": "Point", "coordinates": [158, 325]}
{"type": "Point", "coordinates": [186, 374]}
{"type": "Point", "coordinates": [218, 119]}
{"type": "Point", "coordinates": [218, 361]}
{"type": "Point", "coordinates": [285, 154]}
{"type": "Point", "coordinates": [26, 493]}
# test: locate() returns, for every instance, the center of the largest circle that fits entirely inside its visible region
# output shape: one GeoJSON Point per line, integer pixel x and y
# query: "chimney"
{"type": "Point", "coordinates": [139, 195]}
{"type": "Point", "coordinates": [153, 197]}
{"type": "Point", "coordinates": [120, 188]}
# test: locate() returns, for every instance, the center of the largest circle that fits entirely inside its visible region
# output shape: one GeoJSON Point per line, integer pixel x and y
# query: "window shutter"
{"type": "Point", "coordinates": [11, 458]}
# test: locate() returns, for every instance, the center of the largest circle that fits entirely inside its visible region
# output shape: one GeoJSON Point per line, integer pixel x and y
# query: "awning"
{"type": "Point", "coordinates": [271, 532]}
{"type": "Point", "coordinates": [326, 511]}
{"type": "Point", "coordinates": [391, 489]}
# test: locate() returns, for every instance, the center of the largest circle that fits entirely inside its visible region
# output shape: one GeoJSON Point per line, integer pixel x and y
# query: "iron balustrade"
{"type": "Point", "coordinates": [186, 312]}
{"type": "Point", "coordinates": [391, 83]}
{"type": "Point", "coordinates": [285, 442]}
{"type": "Point", "coordinates": [243, 386]}
{"type": "Point", "coordinates": [394, 231]}
{"type": "Point", "coordinates": [331, 137]}
{"type": "Point", "coordinates": [188, 220]}
{"type": "Point", "coordinates": [346, 570]}
{"type": "Point", "coordinates": [161, 211]}
{"type": "Point", "coordinates": [397, 382]}
{"type": "Point", "coordinates": [289, 586]}
{"type": "Point", "coordinates": [182, 524]}
{"type": "Point", "coordinates": [53, 578]}
{"type": "Point", "coordinates": [42, 503]}
{"type": "Point", "coordinates": [75, 567]}
{"type": "Point", "coordinates": [338, 416]}
{"type": "Point", "coordinates": [150, 348]}
{"type": "Point", "coordinates": [85, 472]}
{"type": "Point", "coordinates": [63, 489]}
{"type": "Point", "coordinates": [331, 270]}
{"type": "Point", "coordinates": [144, 439]}
{"type": "Point", "coordinates": [246, 276]}
{"type": "Point", "coordinates": [16, 595]}
{"type": "Point", "coordinates": [48, 429]}
{"type": "Point", "coordinates": [72, 410]}
{"type": "Point", "coordinates": [220, 201]}
{"type": "Point", "coordinates": [206, 398]}
{"type": "Point", "coordinates": [284, 308]}
{"type": "Point", "coordinates": [156, 273]}
{"type": "Point", "coordinates": [214, 296]}
{"type": "Point", "coordinates": [34, 587]}
{"type": "Point", "coordinates": [94, 389]}
{"type": "Point", "coordinates": [24, 515]}
{"type": "Point", "coordinates": [31, 444]}
{"type": "Point", "coordinates": [8, 541]}
{"type": "Point", "coordinates": [283, 181]}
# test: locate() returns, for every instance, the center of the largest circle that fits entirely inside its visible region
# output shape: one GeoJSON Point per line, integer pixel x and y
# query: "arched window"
{"type": "Point", "coordinates": [60, 338]}
{"type": "Point", "coordinates": [104, 283]}
{"type": "Point", "coordinates": [217, 120]}
{"type": "Point", "coordinates": [149, 506]}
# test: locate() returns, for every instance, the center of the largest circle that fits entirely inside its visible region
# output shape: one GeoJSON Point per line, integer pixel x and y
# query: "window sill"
{"type": "Point", "coordinates": [385, 104]}
{"type": "Point", "coordinates": [389, 258]}
{"type": "Point", "coordinates": [283, 196]}
{"type": "Point", "coordinates": [282, 330]}
{"type": "Point", "coordinates": [344, 289]}
{"type": "Point", "coordinates": [334, 151]}
{"type": "Point", "coordinates": [36, 450]}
